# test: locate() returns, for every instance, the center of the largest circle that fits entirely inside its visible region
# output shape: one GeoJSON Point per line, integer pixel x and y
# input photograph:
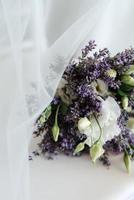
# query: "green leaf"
{"type": "Point", "coordinates": [130, 70]}
{"type": "Point", "coordinates": [126, 88]}
{"type": "Point", "coordinates": [42, 120]}
{"type": "Point", "coordinates": [45, 115]}
{"type": "Point", "coordinates": [64, 108]}
{"type": "Point", "coordinates": [79, 147]}
{"type": "Point", "coordinates": [96, 151]}
{"type": "Point", "coordinates": [127, 162]}
{"type": "Point", "coordinates": [47, 112]}
{"type": "Point", "coordinates": [121, 93]}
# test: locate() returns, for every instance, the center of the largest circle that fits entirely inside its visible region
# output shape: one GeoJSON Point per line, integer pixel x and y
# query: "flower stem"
{"type": "Point", "coordinates": [56, 115]}
{"type": "Point", "coordinates": [99, 128]}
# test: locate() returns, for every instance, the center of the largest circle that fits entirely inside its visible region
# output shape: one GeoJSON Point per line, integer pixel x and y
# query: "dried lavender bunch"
{"type": "Point", "coordinates": [92, 110]}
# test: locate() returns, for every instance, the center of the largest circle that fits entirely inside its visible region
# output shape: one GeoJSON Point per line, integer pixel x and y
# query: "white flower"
{"type": "Point", "coordinates": [110, 112]}
{"type": "Point", "coordinates": [102, 87]}
{"type": "Point", "coordinates": [62, 84]}
{"type": "Point", "coordinates": [60, 92]}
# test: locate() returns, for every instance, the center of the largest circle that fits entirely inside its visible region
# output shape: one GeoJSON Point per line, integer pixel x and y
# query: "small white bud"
{"type": "Point", "coordinates": [83, 124]}
{"type": "Point", "coordinates": [111, 73]}
{"type": "Point", "coordinates": [128, 80]}
{"type": "Point", "coordinates": [125, 102]}
{"type": "Point", "coordinates": [79, 147]}
{"type": "Point", "coordinates": [55, 132]}
{"type": "Point", "coordinates": [55, 128]}
{"type": "Point", "coordinates": [130, 123]}
{"type": "Point", "coordinates": [96, 151]}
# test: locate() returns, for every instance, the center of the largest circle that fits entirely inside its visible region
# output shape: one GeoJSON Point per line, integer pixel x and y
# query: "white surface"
{"type": "Point", "coordinates": [69, 178]}
{"type": "Point", "coordinates": [27, 28]}
{"type": "Point", "coordinates": [76, 178]}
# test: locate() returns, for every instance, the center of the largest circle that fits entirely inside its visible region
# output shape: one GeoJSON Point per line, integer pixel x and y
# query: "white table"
{"type": "Point", "coordinates": [67, 178]}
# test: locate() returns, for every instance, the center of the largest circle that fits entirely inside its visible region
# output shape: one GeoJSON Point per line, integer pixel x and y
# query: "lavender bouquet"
{"type": "Point", "coordinates": [92, 111]}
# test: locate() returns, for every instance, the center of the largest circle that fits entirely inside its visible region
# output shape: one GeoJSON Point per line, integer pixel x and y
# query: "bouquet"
{"type": "Point", "coordinates": [92, 110]}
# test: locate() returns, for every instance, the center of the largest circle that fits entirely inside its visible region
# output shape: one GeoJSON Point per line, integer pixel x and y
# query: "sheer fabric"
{"type": "Point", "coordinates": [37, 40]}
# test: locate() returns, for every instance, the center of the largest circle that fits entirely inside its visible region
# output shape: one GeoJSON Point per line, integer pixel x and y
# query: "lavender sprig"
{"type": "Point", "coordinates": [84, 100]}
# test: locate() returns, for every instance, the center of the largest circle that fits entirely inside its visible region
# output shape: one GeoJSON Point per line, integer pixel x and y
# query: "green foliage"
{"type": "Point", "coordinates": [45, 115]}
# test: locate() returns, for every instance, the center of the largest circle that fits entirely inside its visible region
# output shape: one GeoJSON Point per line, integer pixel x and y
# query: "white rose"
{"type": "Point", "coordinates": [110, 112]}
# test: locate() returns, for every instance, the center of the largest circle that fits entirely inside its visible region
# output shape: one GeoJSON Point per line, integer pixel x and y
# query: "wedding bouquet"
{"type": "Point", "coordinates": [92, 110]}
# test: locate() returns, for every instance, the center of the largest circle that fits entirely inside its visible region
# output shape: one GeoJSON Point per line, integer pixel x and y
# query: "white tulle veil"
{"type": "Point", "coordinates": [35, 47]}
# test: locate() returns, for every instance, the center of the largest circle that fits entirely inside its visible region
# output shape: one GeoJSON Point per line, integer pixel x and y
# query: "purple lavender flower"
{"type": "Point", "coordinates": [85, 101]}
{"type": "Point", "coordinates": [122, 120]}
{"type": "Point", "coordinates": [111, 82]}
{"type": "Point", "coordinates": [105, 159]}
{"type": "Point", "coordinates": [131, 99]}
{"type": "Point", "coordinates": [85, 90]}
{"type": "Point", "coordinates": [88, 48]}
{"type": "Point", "coordinates": [56, 100]}
{"type": "Point", "coordinates": [104, 53]}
